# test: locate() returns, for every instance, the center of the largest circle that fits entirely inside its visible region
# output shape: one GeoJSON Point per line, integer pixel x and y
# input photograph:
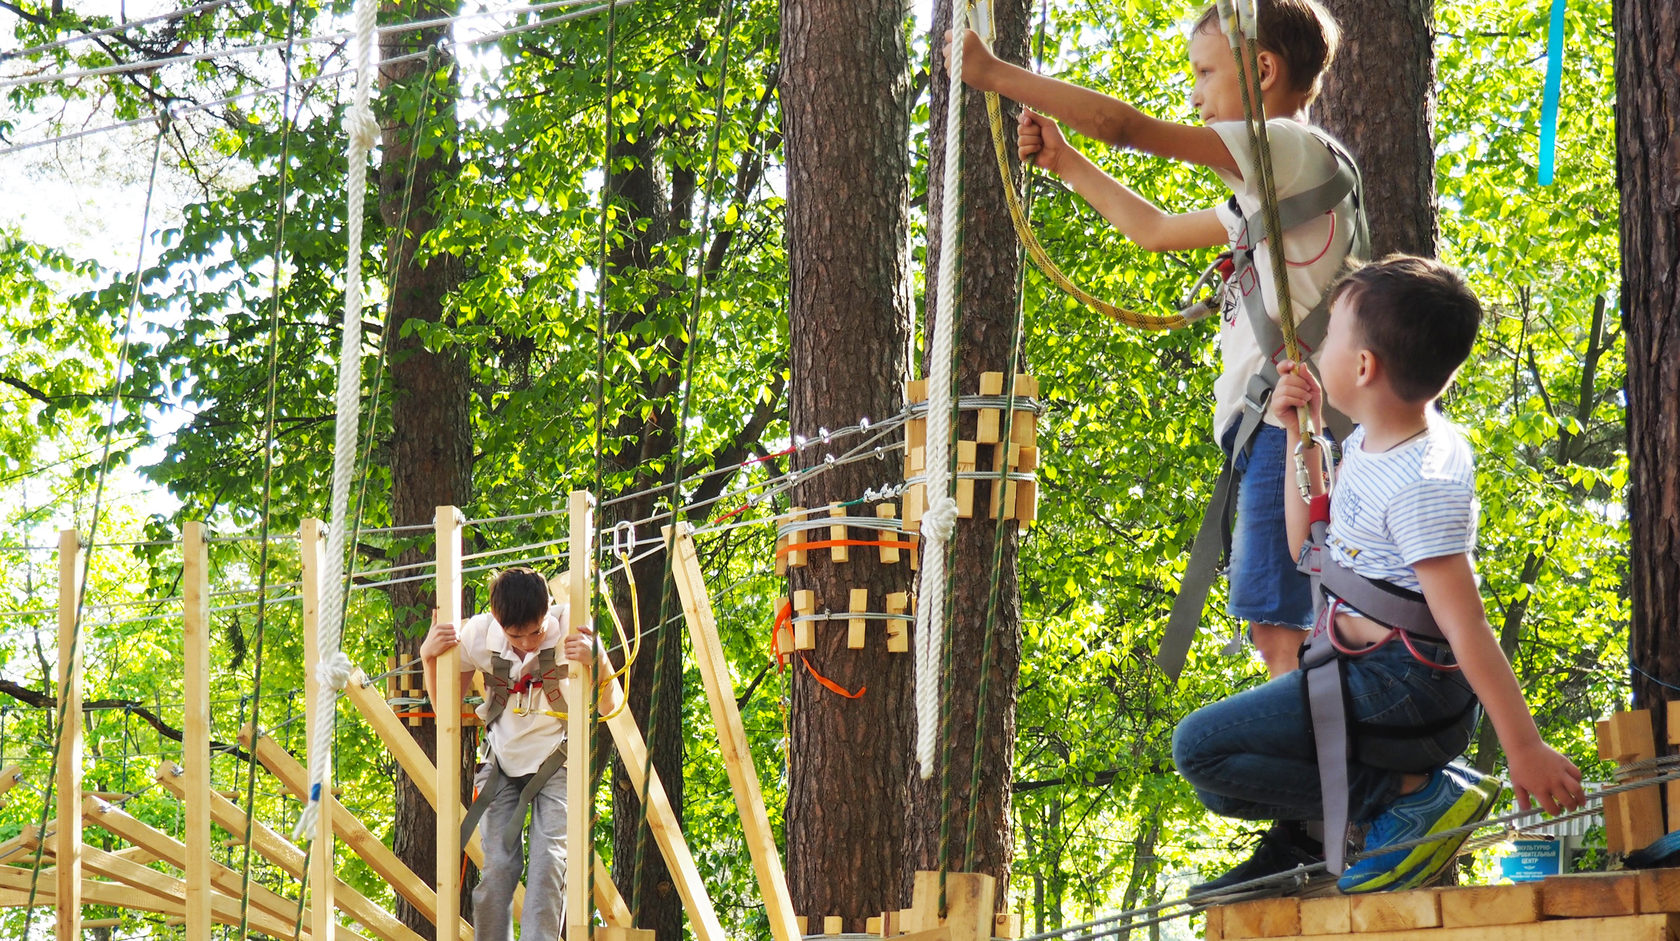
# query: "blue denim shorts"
{"type": "Point", "coordinates": [1265, 588]}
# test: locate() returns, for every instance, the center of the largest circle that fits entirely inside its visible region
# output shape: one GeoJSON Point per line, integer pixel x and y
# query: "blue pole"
{"type": "Point", "coordinates": [1554, 89]}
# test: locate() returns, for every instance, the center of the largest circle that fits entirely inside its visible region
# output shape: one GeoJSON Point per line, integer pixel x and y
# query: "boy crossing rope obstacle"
{"type": "Point", "coordinates": [1315, 188]}
{"type": "Point", "coordinates": [1401, 649]}
{"type": "Point", "coordinates": [521, 647]}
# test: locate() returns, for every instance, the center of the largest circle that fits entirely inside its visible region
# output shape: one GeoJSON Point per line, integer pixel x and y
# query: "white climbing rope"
{"type": "Point", "coordinates": [940, 519]}
{"type": "Point", "coordinates": [334, 669]}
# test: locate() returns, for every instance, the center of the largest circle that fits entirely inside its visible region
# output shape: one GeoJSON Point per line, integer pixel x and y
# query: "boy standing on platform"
{"type": "Point", "coordinates": [521, 647]}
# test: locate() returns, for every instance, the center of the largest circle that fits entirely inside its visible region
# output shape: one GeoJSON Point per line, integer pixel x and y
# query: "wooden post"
{"type": "Point", "coordinates": [69, 838]}
{"type": "Point", "coordinates": [1614, 811]}
{"type": "Point", "coordinates": [986, 430]}
{"type": "Point", "coordinates": [886, 511]}
{"type": "Point", "coordinates": [732, 737]}
{"type": "Point", "coordinates": [447, 525]}
{"type": "Point", "coordinates": [195, 731]}
{"type": "Point", "coordinates": [580, 718]}
{"type": "Point", "coordinates": [804, 632]}
{"type": "Point", "coordinates": [839, 533]}
{"type": "Point", "coordinates": [856, 634]}
{"type": "Point", "coordinates": [1630, 741]}
{"type": "Point", "coordinates": [1673, 787]}
{"type": "Point", "coordinates": [321, 868]}
{"type": "Point", "coordinates": [898, 634]}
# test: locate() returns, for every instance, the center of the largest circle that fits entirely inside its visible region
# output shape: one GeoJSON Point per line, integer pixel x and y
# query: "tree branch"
{"type": "Point", "coordinates": [40, 700]}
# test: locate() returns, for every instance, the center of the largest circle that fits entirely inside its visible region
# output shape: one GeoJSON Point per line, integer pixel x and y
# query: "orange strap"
{"type": "Point", "coordinates": [831, 543]}
{"type": "Point", "coordinates": [783, 618]}
{"type": "Point", "coordinates": [830, 685]}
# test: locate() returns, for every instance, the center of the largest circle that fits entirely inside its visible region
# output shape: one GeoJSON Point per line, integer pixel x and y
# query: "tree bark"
{"type": "Point", "coordinates": [1648, 154]}
{"type": "Point", "coordinates": [971, 784]}
{"type": "Point", "coordinates": [1379, 100]}
{"type": "Point", "coordinates": [845, 94]}
{"type": "Point", "coordinates": [431, 439]}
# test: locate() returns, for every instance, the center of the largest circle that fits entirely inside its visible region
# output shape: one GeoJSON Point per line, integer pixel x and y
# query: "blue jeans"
{"type": "Point", "coordinates": [1251, 755]}
{"type": "Point", "coordinates": [1265, 588]}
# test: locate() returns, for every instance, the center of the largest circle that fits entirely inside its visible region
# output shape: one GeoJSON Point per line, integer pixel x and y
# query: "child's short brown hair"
{"type": "Point", "coordinates": [1418, 316]}
{"type": "Point", "coordinates": [1301, 33]}
{"type": "Point", "coordinates": [518, 596]}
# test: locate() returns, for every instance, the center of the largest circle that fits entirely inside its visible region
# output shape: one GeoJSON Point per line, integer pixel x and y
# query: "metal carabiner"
{"type": "Point", "coordinates": [623, 538]}
{"type": "Point", "coordinates": [1303, 481]}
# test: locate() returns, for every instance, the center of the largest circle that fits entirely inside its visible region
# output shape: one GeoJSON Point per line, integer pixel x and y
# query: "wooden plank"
{"type": "Point", "coordinates": [1007, 925]}
{"type": "Point", "coordinates": [1395, 911]}
{"type": "Point", "coordinates": [986, 429]}
{"type": "Point", "coordinates": [1262, 918]}
{"type": "Point", "coordinates": [1023, 429]}
{"type": "Point", "coordinates": [662, 821]}
{"type": "Point", "coordinates": [446, 525]}
{"type": "Point", "coordinates": [923, 913]}
{"type": "Point", "coordinates": [970, 905]}
{"type": "Point", "coordinates": [1659, 890]}
{"type": "Point", "coordinates": [1331, 915]}
{"type": "Point", "coordinates": [1213, 924]}
{"type": "Point", "coordinates": [887, 511]}
{"type": "Point", "coordinates": [898, 631]}
{"type": "Point", "coordinates": [376, 854]}
{"type": "Point", "coordinates": [580, 721]}
{"type": "Point", "coordinates": [321, 855]}
{"type": "Point", "coordinates": [222, 878]}
{"type": "Point", "coordinates": [1631, 740]}
{"type": "Point", "coordinates": [282, 853]}
{"type": "Point", "coordinates": [621, 933]}
{"type": "Point", "coordinates": [804, 632]}
{"type": "Point", "coordinates": [69, 771]}
{"type": "Point", "coordinates": [1672, 788]}
{"type": "Point", "coordinates": [1624, 928]}
{"type": "Point", "coordinates": [733, 743]}
{"type": "Point", "coordinates": [1475, 906]}
{"type": "Point", "coordinates": [1589, 895]}
{"type": "Point", "coordinates": [839, 533]}
{"type": "Point", "coordinates": [1615, 828]}
{"type": "Point", "coordinates": [195, 731]}
{"type": "Point", "coordinates": [795, 557]}
{"type": "Point", "coordinates": [12, 775]}
{"type": "Point", "coordinates": [968, 456]}
{"type": "Point", "coordinates": [856, 628]}
{"type": "Point", "coordinates": [833, 924]}
{"type": "Point", "coordinates": [226, 909]}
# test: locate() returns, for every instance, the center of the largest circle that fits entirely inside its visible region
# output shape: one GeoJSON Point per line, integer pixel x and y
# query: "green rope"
{"type": "Point", "coordinates": [673, 500]}
{"type": "Point", "coordinates": [287, 123]}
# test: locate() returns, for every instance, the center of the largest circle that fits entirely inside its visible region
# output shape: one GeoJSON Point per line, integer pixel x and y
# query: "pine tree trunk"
{"type": "Point", "coordinates": [945, 808]}
{"type": "Point", "coordinates": [431, 442]}
{"type": "Point", "coordinates": [1648, 110]}
{"type": "Point", "coordinates": [845, 88]}
{"type": "Point", "coordinates": [1379, 100]}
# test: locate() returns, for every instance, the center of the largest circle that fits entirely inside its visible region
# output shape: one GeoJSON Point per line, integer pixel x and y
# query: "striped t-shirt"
{"type": "Point", "coordinates": [1398, 507]}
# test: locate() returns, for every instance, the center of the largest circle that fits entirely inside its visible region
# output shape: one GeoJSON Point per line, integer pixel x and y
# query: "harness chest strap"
{"type": "Point", "coordinates": [499, 688]}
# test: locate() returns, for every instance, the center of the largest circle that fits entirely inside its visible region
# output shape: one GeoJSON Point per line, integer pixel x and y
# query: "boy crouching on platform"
{"type": "Point", "coordinates": [1401, 520]}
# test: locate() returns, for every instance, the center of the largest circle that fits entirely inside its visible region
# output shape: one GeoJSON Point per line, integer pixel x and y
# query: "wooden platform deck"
{"type": "Point", "coordinates": [1615, 906]}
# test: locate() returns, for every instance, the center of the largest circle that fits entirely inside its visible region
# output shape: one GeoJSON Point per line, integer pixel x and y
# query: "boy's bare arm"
{"type": "Point", "coordinates": [1539, 774]}
{"type": "Point", "coordinates": [1297, 389]}
{"type": "Point", "coordinates": [1138, 219]}
{"type": "Point", "coordinates": [1091, 112]}
{"type": "Point", "coordinates": [439, 639]}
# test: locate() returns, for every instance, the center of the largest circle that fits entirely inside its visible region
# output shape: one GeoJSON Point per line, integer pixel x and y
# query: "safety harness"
{"type": "Point", "coordinates": [501, 691]}
{"type": "Point", "coordinates": [1406, 614]}
{"type": "Point", "coordinates": [1212, 545]}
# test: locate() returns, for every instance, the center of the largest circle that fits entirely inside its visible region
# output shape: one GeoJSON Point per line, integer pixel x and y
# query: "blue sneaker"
{"type": "Point", "coordinates": [1453, 797]}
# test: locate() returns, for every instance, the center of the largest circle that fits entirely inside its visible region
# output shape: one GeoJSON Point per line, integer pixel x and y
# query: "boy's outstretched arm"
{"type": "Point", "coordinates": [1090, 112]}
{"type": "Point", "coordinates": [438, 640]}
{"type": "Point", "coordinates": [1137, 218]}
{"type": "Point", "coordinates": [1539, 774]}
{"type": "Point", "coordinates": [1296, 389]}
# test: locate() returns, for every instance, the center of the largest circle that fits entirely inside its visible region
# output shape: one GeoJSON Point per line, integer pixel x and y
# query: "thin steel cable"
{"type": "Point", "coordinates": [98, 496]}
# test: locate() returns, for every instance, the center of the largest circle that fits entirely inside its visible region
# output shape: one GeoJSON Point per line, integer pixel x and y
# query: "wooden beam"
{"type": "Point", "coordinates": [69, 773]}
{"type": "Point", "coordinates": [732, 735]}
{"type": "Point", "coordinates": [661, 819]}
{"type": "Point", "coordinates": [321, 869]}
{"type": "Point", "coordinates": [195, 731]}
{"type": "Point", "coordinates": [580, 721]}
{"type": "Point", "coordinates": [1631, 740]}
{"type": "Point", "coordinates": [448, 711]}
{"type": "Point", "coordinates": [375, 853]}
{"type": "Point", "coordinates": [282, 853]}
{"type": "Point", "coordinates": [169, 890]}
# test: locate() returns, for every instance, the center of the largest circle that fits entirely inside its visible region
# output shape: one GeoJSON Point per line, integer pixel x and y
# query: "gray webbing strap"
{"type": "Point", "coordinates": [499, 686]}
{"type": "Point", "coordinates": [1322, 673]}
{"type": "Point", "coordinates": [499, 780]}
{"type": "Point", "coordinates": [1213, 537]}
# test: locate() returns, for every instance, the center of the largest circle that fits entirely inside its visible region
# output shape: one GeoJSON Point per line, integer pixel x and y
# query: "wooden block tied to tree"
{"type": "Point", "coordinates": [1478, 906]}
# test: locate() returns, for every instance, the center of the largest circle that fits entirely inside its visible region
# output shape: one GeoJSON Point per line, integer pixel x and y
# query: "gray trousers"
{"type": "Point", "coordinates": [545, 885]}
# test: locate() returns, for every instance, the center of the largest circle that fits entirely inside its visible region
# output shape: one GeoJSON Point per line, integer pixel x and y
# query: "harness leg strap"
{"type": "Point", "coordinates": [545, 771]}
{"type": "Point", "coordinates": [1326, 703]}
{"type": "Point", "coordinates": [481, 803]}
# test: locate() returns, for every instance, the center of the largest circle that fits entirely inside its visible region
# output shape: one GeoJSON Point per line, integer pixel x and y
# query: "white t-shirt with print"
{"type": "Point", "coordinates": [521, 742]}
{"type": "Point", "coordinates": [1314, 250]}
{"type": "Point", "coordinates": [1395, 508]}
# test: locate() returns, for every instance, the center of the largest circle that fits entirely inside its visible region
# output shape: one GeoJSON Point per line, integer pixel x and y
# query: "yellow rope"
{"type": "Point", "coordinates": [1041, 259]}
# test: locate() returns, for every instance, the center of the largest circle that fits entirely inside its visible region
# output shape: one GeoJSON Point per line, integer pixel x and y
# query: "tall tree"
{"type": "Point", "coordinates": [1648, 105]}
{"type": "Point", "coordinates": [845, 88]}
{"type": "Point", "coordinates": [970, 789]}
{"type": "Point", "coordinates": [1384, 114]}
{"type": "Point", "coordinates": [431, 438]}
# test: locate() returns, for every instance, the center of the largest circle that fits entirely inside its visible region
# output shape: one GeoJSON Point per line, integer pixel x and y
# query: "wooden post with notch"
{"type": "Point", "coordinates": [195, 726]}
{"type": "Point", "coordinates": [580, 848]}
{"type": "Point", "coordinates": [1630, 741]}
{"type": "Point", "coordinates": [68, 845]}
{"type": "Point", "coordinates": [321, 845]}
{"type": "Point", "coordinates": [447, 528]}
{"type": "Point", "coordinates": [732, 736]}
